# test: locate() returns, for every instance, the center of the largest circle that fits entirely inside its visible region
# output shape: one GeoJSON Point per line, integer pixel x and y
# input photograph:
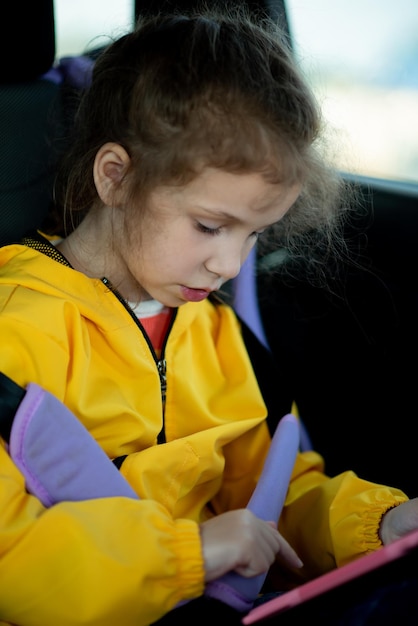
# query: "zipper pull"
{"type": "Point", "coordinates": [162, 370]}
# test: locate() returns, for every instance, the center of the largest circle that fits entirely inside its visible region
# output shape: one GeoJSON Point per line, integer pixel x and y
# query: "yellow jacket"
{"type": "Point", "coordinates": [119, 561]}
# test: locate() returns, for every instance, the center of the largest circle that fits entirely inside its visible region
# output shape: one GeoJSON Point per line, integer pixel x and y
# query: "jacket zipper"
{"type": "Point", "coordinates": [161, 362]}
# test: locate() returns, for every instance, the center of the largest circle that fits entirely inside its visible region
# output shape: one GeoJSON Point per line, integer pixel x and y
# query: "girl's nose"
{"type": "Point", "coordinates": [226, 263]}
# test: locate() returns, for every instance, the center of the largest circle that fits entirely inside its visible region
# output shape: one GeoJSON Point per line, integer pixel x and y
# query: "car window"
{"type": "Point", "coordinates": [362, 59]}
{"type": "Point", "coordinates": [84, 24]}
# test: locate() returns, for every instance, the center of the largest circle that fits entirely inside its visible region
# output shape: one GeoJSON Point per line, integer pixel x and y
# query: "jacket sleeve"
{"type": "Point", "coordinates": [331, 521]}
{"type": "Point", "coordinates": [110, 560]}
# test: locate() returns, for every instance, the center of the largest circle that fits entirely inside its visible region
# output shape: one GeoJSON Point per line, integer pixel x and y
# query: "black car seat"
{"type": "Point", "coordinates": [30, 117]}
{"type": "Point", "coordinates": [347, 352]}
{"type": "Point", "coordinates": [347, 356]}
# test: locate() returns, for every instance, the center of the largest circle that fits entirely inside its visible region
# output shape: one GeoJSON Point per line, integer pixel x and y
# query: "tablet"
{"type": "Point", "coordinates": [376, 569]}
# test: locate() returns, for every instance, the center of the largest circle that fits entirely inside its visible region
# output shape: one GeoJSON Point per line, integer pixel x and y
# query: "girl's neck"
{"type": "Point", "coordinates": [89, 252]}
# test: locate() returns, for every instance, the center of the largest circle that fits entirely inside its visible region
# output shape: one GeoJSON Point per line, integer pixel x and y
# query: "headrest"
{"type": "Point", "coordinates": [33, 50]}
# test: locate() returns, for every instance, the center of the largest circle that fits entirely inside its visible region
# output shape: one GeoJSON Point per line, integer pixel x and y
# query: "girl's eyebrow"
{"type": "Point", "coordinates": [220, 213]}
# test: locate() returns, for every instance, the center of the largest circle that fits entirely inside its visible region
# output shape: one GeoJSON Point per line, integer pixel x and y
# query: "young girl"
{"type": "Point", "coordinates": [197, 137]}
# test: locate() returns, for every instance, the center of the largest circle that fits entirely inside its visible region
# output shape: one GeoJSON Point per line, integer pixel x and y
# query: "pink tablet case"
{"type": "Point", "coordinates": [362, 567]}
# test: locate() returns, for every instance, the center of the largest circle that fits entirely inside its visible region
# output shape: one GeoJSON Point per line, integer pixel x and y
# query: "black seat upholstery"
{"type": "Point", "coordinates": [348, 354]}
{"type": "Point", "coordinates": [30, 119]}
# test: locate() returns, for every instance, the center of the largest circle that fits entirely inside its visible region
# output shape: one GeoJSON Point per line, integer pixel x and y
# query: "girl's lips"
{"type": "Point", "coordinates": [194, 295]}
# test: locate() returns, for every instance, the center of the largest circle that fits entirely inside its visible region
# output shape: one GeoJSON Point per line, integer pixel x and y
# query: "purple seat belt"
{"type": "Point", "coordinates": [266, 502]}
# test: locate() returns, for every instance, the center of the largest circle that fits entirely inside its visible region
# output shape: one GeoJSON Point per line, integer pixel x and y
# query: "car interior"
{"type": "Point", "coordinates": [345, 352]}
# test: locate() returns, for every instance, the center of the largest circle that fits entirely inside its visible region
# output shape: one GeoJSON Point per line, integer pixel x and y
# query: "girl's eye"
{"type": "Point", "coordinates": [207, 230]}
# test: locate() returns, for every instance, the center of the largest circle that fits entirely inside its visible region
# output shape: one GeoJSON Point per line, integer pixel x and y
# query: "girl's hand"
{"type": "Point", "coordinates": [399, 521]}
{"type": "Point", "coordinates": [241, 542]}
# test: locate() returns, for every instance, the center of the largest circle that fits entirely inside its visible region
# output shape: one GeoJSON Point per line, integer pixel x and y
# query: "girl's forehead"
{"type": "Point", "coordinates": [216, 182]}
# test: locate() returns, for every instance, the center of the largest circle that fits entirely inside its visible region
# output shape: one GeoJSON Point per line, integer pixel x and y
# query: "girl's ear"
{"type": "Point", "coordinates": [110, 166]}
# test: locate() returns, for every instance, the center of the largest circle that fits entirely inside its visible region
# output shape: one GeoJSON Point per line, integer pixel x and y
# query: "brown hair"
{"type": "Point", "coordinates": [182, 92]}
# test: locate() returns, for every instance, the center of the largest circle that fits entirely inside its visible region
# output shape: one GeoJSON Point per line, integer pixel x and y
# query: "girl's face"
{"type": "Point", "coordinates": [196, 237]}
